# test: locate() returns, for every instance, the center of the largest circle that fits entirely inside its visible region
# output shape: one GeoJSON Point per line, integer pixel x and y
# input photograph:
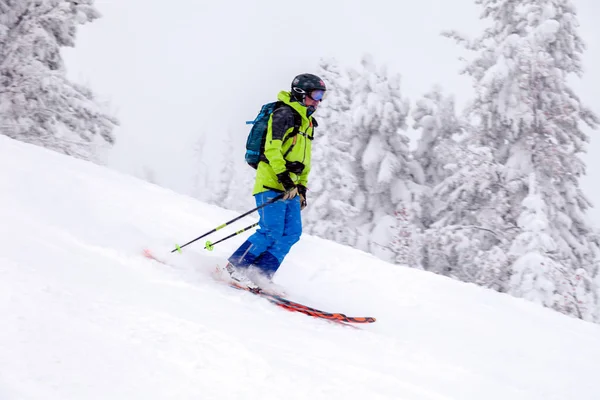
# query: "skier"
{"type": "Point", "coordinates": [283, 169]}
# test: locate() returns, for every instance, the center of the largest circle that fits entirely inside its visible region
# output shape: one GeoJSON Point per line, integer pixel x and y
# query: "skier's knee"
{"type": "Point", "coordinates": [274, 235]}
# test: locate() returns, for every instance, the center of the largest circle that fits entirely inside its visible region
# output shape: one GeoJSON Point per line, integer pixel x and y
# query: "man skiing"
{"type": "Point", "coordinates": [284, 168]}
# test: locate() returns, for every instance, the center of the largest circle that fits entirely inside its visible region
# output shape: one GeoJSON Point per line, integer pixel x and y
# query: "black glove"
{"type": "Point", "coordinates": [302, 194]}
{"type": "Point", "coordinates": [288, 185]}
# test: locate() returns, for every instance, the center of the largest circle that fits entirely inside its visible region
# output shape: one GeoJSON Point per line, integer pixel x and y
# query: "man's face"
{"type": "Point", "coordinates": [310, 102]}
{"type": "Point", "coordinates": [313, 98]}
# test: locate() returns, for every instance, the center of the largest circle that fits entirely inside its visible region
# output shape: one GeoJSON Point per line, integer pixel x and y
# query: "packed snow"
{"type": "Point", "coordinates": [86, 316]}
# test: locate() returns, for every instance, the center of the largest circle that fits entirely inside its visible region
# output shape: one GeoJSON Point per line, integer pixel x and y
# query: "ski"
{"type": "Point", "coordinates": [283, 302]}
{"type": "Point", "coordinates": [301, 308]}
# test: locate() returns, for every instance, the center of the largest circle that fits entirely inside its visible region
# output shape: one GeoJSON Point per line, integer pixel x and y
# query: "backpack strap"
{"type": "Point", "coordinates": [297, 122]}
{"type": "Point", "coordinates": [294, 133]}
{"type": "Point", "coordinates": [297, 118]}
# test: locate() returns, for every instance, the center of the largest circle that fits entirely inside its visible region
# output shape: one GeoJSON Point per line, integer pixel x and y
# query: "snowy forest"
{"type": "Point", "coordinates": [488, 194]}
{"type": "Point", "coordinates": [38, 104]}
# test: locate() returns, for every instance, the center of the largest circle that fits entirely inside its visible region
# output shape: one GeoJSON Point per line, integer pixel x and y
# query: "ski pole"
{"type": "Point", "coordinates": [273, 200]}
{"type": "Point", "coordinates": [210, 245]}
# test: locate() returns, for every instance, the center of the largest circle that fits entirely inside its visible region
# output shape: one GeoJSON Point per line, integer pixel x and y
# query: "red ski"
{"type": "Point", "coordinates": [301, 308]}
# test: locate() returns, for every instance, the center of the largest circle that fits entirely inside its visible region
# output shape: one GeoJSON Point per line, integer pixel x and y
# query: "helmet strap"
{"type": "Point", "coordinates": [300, 97]}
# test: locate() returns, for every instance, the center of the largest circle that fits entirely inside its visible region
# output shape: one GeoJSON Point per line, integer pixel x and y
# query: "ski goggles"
{"type": "Point", "coordinates": [317, 95]}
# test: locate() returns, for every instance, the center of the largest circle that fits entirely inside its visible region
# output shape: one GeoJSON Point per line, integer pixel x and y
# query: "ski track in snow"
{"type": "Point", "coordinates": [86, 316]}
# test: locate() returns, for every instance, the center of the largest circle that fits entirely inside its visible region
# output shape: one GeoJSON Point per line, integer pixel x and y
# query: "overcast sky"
{"type": "Point", "coordinates": [175, 70]}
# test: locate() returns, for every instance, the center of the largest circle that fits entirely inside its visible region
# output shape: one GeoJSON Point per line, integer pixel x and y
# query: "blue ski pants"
{"type": "Point", "coordinates": [280, 227]}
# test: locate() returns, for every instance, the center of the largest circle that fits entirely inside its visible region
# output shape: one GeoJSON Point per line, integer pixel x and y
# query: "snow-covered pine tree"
{"type": "Point", "coordinates": [389, 179]}
{"type": "Point", "coordinates": [436, 150]}
{"type": "Point", "coordinates": [221, 172]}
{"type": "Point", "coordinates": [332, 185]}
{"type": "Point", "coordinates": [435, 117]}
{"type": "Point", "coordinates": [38, 104]}
{"type": "Point", "coordinates": [533, 269]}
{"type": "Point", "coordinates": [467, 238]}
{"type": "Point", "coordinates": [528, 115]}
{"type": "Point", "coordinates": [406, 241]}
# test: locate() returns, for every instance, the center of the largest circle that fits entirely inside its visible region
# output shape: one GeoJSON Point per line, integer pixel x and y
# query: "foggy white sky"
{"type": "Point", "coordinates": [173, 71]}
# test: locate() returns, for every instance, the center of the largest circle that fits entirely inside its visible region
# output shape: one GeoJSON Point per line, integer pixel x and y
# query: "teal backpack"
{"type": "Point", "coordinates": [255, 144]}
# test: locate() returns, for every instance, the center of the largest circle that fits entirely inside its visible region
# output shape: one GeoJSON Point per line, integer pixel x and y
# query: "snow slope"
{"type": "Point", "coordinates": [85, 316]}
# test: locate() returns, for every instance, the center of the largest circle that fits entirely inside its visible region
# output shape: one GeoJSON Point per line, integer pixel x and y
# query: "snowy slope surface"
{"type": "Point", "coordinates": [85, 316]}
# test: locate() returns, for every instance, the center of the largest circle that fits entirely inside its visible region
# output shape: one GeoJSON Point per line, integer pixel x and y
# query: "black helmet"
{"type": "Point", "coordinates": [304, 84]}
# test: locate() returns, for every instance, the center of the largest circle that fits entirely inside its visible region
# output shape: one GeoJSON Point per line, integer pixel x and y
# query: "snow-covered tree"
{"type": "Point", "coordinates": [389, 179]}
{"type": "Point", "coordinates": [527, 114]}
{"type": "Point", "coordinates": [537, 274]}
{"type": "Point", "coordinates": [468, 235]}
{"type": "Point", "coordinates": [533, 268]}
{"type": "Point", "coordinates": [332, 185]}
{"type": "Point", "coordinates": [406, 241]}
{"type": "Point", "coordinates": [38, 104]}
{"type": "Point", "coordinates": [222, 171]}
{"type": "Point", "coordinates": [435, 117]}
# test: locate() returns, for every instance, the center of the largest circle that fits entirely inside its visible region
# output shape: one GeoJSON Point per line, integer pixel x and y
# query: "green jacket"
{"type": "Point", "coordinates": [281, 148]}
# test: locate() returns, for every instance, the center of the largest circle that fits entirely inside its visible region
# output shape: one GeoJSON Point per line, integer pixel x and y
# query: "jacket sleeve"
{"type": "Point", "coordinates": [303, 180]}
{"type": "Point", "coordinates": [280, 122]}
